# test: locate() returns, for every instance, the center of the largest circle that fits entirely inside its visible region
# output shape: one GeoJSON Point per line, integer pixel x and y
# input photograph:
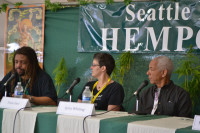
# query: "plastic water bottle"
{"type": "Point", "coordinates": [18, 93]}
{"type": "Point", "coordinates": [86, 96]}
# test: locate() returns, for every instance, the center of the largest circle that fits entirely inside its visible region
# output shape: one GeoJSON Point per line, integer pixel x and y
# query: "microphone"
{"type": "Point", "coordinates": [144, 84]}
{"type": "Point", "coordinates": [75, 82]}
{"type": "Point", "coordinates": [11, 77]}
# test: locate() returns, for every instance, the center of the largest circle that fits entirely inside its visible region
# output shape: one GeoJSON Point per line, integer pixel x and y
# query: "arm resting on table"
{"type": "Point", "coordinates": [40, 100]}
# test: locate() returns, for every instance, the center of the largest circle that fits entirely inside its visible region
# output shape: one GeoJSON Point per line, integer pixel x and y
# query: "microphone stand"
{"type": "Point", "coordinates": [5, 91]}
{"type": "Point", "coordinates": [137, 100]}
{"type": "Point", "coordinates": [70, 96]}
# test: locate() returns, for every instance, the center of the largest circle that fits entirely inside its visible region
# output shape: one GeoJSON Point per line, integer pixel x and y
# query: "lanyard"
{"type": "Point", "coordinates": [26, 86]}
{"type": "Point", "coordinates": [25, 90]}
{"type": "Point", "coordinates": [93, 99]}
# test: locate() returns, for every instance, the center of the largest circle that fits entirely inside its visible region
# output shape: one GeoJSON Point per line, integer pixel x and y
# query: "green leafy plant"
{"type": "Point", "coordinates": [123, 65]}
{"type": "Point", "coordinates": [190, 70]}
{"type": "Point", "coordinates": [175, 0]}
{"type": "Point", "coordinates": [127, 2]}
{"type": "Point", "coordinates": [57, 5]}
{"type": "Point", "coordinates": [61, 74]}
{"type": "Point", "coordinates": [53, 6]}
{"type": "Point", "coordinates": [85, 2]}
{"type": "Point", "coordinates": [18, 4]}
{"type": "Point", "coordinates": [109, 1]}
{"type": "Point", "coordinates": [4, 7]}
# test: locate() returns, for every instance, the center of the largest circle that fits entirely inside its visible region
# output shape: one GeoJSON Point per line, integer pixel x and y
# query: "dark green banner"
{"type": "Point", "coordinates": [140, 27]}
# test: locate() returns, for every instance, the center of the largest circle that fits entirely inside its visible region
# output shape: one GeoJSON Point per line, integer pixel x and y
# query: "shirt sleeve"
{"type": "Point", "coordinates": [184, 105]}
{"type": "Point", "coordinates": [44, 86]}
{"type": "Point", "coordinates": [117, 95]}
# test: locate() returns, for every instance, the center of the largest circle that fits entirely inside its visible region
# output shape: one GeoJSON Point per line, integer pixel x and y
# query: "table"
{"type": "Point", "coordinates": [46, 122]}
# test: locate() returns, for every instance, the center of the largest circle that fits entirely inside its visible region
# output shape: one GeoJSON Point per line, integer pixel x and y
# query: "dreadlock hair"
{"type": "Point", "coordinates": [33, 65]}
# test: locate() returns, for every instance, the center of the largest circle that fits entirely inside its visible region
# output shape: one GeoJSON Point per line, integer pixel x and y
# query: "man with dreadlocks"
{"type": "Point", "coordinates": [38, 85]}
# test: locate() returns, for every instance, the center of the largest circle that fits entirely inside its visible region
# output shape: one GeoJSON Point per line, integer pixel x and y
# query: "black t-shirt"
{"type": "Point", "coordinates": [43, 86]}
{"type": "Point", "coordinates": [113, 94]}
{"type": "Point", "coordinates": [173, 100]}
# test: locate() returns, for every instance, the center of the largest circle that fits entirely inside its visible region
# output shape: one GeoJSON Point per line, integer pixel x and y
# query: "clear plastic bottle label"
{"type": "Point", "coordinates": [18, 93]}
{"type": "Point", "coordinates": [86, 98]}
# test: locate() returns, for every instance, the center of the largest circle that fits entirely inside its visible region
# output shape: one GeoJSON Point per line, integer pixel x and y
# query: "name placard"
{"type": "Point", "coordinates": [14, 103]}
{"type": "Point", "coordinates": [196, 123]}
{"type": "Point", "coordinates": [75, 109]}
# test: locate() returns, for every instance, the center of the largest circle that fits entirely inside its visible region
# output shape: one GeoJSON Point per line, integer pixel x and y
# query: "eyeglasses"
{"type": "Point", "coordinates": [93, 65]}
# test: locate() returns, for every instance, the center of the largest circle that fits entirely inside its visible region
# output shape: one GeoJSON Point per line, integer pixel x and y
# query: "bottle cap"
{"type": "Point", "coordinates": [87, 87]}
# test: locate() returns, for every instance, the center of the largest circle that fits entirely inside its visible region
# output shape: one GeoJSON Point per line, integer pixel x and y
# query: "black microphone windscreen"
{"type": "Point", "coordinates": [10, 78]}
{"type": "Point", "coordinates": [146, 82]}
{"type": "Point", "coordinates": [78, 80]}
{"type": "Point", "coordinates": [75, 82]}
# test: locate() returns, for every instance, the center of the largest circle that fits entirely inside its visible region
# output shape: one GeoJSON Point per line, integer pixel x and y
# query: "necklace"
{"type": "Point", "coordinates": [100, 86]}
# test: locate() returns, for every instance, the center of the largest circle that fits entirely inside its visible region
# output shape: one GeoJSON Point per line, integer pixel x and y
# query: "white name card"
{"type": "Point", "coordinates": [75, 109]}
{"type": "Point", "coordinates": [196, 123]}
{"type": "Point", "coordinates": [14, 103]}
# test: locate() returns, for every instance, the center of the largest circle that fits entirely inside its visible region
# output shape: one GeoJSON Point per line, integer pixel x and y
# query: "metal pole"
{"type": "Point", "coordinates": [70, 98]}
{"type": "Point", "coordinates": [5, 92]}
{"type": "Point", "coordinates": [137, 101]}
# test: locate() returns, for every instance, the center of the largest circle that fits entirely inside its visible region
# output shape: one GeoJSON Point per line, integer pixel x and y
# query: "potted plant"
{"type": "Point", "coordinates": [122, 66]}
{"type": "Point", "coordinates": [60, 74]}
{"type": "Point", "coordinates": [190, 69]}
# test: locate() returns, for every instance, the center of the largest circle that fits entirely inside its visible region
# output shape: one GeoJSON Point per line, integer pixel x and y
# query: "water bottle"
{"type": "Point", "coordinates": [18, 93]}
{"type": "Point", "coordinates": [86, 96]}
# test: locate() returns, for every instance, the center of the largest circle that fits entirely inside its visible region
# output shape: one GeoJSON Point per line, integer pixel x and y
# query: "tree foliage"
{"type": "Point", "coordinates": [190, 70]}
